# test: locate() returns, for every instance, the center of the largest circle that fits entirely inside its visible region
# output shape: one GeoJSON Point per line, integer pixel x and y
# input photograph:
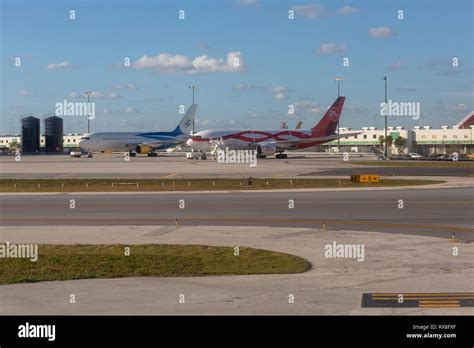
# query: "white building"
{"type": "Point", "coordinates": [424, 140]}
{"type": "Point", "coordinates": [70, 141]}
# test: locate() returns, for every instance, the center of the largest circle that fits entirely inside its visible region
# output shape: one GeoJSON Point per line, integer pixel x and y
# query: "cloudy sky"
{"type": "Point", "coordinates": [249, 60]}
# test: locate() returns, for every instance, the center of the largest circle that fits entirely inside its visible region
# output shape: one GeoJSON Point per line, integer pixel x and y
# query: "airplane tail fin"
{"type": "Point", "coordinates": [328, 124]}
{"type": "Point", "coordinates": [299, 124]}
{"type": "Point", "coordinates": [186, 124]}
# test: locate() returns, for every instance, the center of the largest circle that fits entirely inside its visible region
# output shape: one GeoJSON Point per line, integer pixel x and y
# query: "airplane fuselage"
{"type": "Point", "coordinates": [125, 141]}
{"type": "Point", "coordinates": [245, 139]}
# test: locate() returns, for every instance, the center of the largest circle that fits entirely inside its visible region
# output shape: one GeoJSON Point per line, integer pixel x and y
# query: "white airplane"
{"type": "Point", "coordinates": [140, 142]}
{"type": "Point", "coordinates": [271, 142]}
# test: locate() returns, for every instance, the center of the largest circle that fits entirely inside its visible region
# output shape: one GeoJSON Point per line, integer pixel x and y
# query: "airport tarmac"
{"type": "Point", "coordinates": [408, 249]}
{"type": "Point", "coordinates": [428, 211]}
{"type": "Point", "coordinates": [169, 166]}
{"type": "Point", "coordinates": [177, 166]}
{"type": "Point", "coordinates": [393, 263]}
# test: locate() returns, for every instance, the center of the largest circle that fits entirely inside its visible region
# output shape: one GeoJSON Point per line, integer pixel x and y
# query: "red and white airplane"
{"type": "Point", "coordinates": [271, 142]}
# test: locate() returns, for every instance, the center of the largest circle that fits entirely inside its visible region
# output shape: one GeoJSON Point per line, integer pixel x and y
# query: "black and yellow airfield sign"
{"type": "Point", "coordinates": [365, 178]}
{"type": "Point", "coordinates": [420, 300]}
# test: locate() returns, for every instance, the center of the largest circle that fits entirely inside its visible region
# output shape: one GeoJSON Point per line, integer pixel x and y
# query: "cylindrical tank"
{"type": "Point", "coordinates": [53, 132]}
{"type": "Point", "coordinates": [30, 134]}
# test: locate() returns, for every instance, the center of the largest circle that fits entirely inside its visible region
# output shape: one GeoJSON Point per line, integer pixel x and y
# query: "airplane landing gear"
{"type": "Point", "coordinates": [281, 155]}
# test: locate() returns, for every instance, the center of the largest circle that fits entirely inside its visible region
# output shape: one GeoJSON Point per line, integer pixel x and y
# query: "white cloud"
{"type": "Point", "coordinates": [348, 10]}
{"type": "Point", "coordinates": [281, 93]}
{"type": "Point", "coordinates": [112, 95]}
{"type": "Point", "coordinates": [380, 32]}
{"type": "Point", "coordinates": [306, 106]}
{"type": "Point", "coordinates": [458, 107]}
{"type": "Point", "coordinates": [96, 95]}
{"type": "Point", "coordinates": [330, 47]}
{"type": "Point", "coordinates": [356, 109]}
{"type": "Point", "coordinates": [56, 66]}
{"type": "Point", "coordinates": [245, 87]}
{"type": "Point", "coordinates": [131, 109]}
{"type": "Point", "coordinates": [311, 11]}
{"type": "Point", "coordinates": [24, 92]}
{"type": "Point", "coordinates": [246, 2]}
{"type": "Point", "coordinates": [129, 86]}
{"type": "Point", "coordinates": [168, 63]}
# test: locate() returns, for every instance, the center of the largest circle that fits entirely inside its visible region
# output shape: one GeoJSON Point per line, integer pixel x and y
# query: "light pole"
{"type": "Point", "coordinates": [338, 79]}
{"type": "Point", "coordinates": [250, 112]}
{"type": "Point", "coordinates": [193, 87]}
{"type": "Point", "coordinates": [88, 93]}
{"type": "Point", "coordinates": [386, 112]}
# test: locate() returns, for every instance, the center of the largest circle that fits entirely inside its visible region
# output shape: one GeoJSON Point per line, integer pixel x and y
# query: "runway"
{"type": "Point", "coordinates": [430, 212]}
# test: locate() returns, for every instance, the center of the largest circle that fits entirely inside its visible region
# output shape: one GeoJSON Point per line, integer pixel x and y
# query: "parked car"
{"type": "Point", "coordinates": [413, 155]}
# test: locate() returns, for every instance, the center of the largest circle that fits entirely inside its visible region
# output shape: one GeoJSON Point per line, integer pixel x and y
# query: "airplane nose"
{"type": "Point", "coordinates": [189, 142]}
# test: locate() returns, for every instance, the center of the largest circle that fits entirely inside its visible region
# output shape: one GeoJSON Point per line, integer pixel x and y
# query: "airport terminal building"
{"type": "Point", "coordinates": [425, 140]}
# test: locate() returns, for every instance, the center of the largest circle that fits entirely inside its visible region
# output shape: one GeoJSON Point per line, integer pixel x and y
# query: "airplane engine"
{"type": "Point", "coordinates": [266, 149]}
{"type": "Point", "coordinates": [143, 148]}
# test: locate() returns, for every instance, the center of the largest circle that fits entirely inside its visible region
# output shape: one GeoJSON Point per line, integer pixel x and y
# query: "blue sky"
{"type": "Point", "coordinates": [282, 62]}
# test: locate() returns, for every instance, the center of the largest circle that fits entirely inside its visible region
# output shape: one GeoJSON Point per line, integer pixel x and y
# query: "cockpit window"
{"type": "Point", "coordinates": [85, 138]}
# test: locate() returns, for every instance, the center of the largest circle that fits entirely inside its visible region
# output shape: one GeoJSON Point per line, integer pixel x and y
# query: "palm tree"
{"type": "Point", "coordinates": [400, 144]}
{"type": "Point", "coordinates": [14, 146]}
{"type": "Point", "coordinates": [389, 141]}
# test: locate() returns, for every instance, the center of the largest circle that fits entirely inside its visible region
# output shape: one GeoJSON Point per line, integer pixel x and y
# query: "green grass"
{"type": "Point", "coordinates": [158, 185]}
{"type": "Point", "coordinates": [397, 163]}
{"type": "Point", "coordinates": [66, 262]}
